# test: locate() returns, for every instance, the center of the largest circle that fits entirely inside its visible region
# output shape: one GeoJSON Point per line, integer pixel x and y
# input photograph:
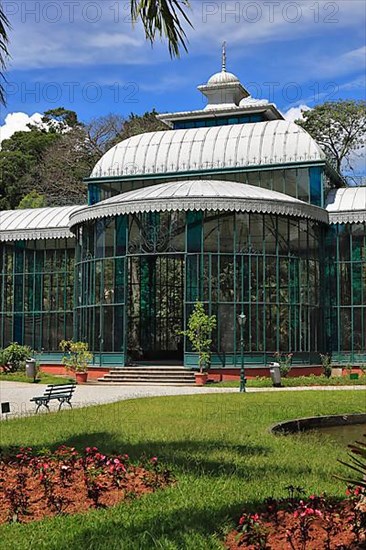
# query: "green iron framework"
{"type": "Point", "coordinates": [138, 277]}
{"type": "Point", "coordinates": [36, 293]}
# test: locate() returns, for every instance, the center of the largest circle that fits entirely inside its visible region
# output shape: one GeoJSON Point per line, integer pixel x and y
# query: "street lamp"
{"type": "Point", "coordinates": [241, 320]}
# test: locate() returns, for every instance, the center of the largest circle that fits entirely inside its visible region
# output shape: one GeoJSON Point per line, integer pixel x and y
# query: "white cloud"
{"type": "Point", "coordinates": [295, 112]}
{"type": "Point", "coordinates": [17, 122]}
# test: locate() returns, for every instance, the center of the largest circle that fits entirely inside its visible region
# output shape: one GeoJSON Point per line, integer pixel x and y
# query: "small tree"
{"type": "Point", "coordinates": [77, 355]}
{"type": "Point", "coordinates": [200, 327]}
{"type": "Point", "coordinates": [326, 360]}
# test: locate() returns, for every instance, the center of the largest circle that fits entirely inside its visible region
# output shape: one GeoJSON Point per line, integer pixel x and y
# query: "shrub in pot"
{"type": "Point", "coordinates": [199, 331]}
{"type": "Point", "coordinates": [76, 358]}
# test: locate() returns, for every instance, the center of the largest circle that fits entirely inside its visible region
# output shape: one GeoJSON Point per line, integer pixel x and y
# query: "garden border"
{"type": "Point", "coordinates": [312, 422]}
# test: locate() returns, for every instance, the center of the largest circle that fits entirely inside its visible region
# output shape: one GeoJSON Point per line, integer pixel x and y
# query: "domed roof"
{"type": "Point", "coordinates": [347, 205]}
{"type": "Point", "coordinates": [197, 149]}
{"type": "Point", "coordinates": [200, 195]}
{"type": "Point", "coordinates": [223, 78]}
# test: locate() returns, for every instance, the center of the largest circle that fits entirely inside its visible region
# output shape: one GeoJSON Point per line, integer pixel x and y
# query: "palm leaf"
{"type": "Point", "coordinates": [356, 464]}
{"type": "Point", "coordinates": [163, 18]}
{"type": "Point", "coordinates": [4, 54]}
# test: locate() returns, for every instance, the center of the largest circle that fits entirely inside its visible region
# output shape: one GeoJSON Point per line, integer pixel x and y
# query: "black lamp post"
{"type": "Point", "coordinates": [241, 320]}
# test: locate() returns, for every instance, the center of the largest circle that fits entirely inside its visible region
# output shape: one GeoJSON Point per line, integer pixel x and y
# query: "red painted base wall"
{"type": "Point", "coordinates": [93, 373]}
{"type": "Point", "coordinates": [216, 375]}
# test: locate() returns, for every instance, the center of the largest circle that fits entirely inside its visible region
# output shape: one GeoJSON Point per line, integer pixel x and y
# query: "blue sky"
{"type": "Point", "coordinates": [85, 55]}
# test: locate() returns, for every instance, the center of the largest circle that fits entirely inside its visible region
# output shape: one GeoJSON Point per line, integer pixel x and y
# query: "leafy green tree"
{"type": "Point", "coordinates": [338, 126]}
{"type": "Point", "coordinates": [15, 174]}
{"type": "Point", "coordinates": [20, 159]}
{"type": "Point", "coordinates": [139, 124]}
{"type": "Point", "coordinates": [32, 200]}
{"type": "Point", "coordinates": [60, 120]}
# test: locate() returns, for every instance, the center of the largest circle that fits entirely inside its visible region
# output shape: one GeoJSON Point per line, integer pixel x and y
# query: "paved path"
{"type": "Point", "coordinates": [19, 394]}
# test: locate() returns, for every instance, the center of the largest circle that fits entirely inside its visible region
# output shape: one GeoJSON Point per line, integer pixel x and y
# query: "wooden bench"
{"type": "Point", "coordinates": [61, 392]}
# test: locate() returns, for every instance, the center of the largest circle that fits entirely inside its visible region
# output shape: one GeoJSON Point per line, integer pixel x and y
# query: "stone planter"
{"type": "Point", "coordinates": [201, 378]}
{"type": "Point", "coordinates": [81, 377]}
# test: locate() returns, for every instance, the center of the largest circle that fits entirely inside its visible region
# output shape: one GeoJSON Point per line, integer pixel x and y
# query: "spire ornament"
{"type": "Point", "coordinates": [224, 57]}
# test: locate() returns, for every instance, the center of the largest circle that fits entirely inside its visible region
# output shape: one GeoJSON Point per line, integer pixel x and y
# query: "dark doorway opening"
{"type": "Point", "coordinates": [156, 308]}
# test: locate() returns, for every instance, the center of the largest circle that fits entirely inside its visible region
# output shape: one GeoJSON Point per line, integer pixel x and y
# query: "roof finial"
{"type": "Point", "coordinates": [224, 57]}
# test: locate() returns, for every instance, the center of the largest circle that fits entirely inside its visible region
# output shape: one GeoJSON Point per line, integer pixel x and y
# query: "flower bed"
{"type": "Point", "coordinates": [34, 486]}
{"type": "Point", "coordinates": [315, 523]}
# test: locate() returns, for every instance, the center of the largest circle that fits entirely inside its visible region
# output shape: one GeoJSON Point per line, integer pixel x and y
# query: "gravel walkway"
{"type": "Point", "coordinates": [19, 394]}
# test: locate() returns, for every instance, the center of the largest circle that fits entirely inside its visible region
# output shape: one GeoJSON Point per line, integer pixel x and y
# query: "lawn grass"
{"type": "Point", "coordinates": [219, 448]}
{"type": "Point", "coordinates": [312, 380]}
{"type": "Point", "coordinates": [42, 378]}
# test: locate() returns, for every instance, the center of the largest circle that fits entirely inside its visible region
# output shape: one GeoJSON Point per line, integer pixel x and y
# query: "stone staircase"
{"type": "Point", "coordinates": [140, 375]}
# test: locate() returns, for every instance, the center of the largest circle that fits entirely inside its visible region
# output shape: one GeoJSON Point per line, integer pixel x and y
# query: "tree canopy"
{"type": "Point", "coordinates": [339, 127]}
{"type": "Point", "coordinates": [52, 159]}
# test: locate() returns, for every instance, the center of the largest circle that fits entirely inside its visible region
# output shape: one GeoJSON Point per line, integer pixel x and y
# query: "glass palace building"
{"type": "Point", "coordinates": [231, 205]}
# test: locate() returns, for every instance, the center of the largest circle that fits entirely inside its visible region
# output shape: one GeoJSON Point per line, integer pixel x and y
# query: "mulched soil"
{"type": "Point", "coordinates": [343, 538]}
{"type": "Point", "coordinates": [70, 496]}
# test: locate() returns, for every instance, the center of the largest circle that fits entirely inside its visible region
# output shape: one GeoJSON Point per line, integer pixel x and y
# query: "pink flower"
{"type": "Point", "coordinates": [241, 520]}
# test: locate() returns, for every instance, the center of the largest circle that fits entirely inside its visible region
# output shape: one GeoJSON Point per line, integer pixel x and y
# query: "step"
{"type": "Point", "coordinates": [146, 377]}
{"type": "Point", "coordinates": [101, 381]}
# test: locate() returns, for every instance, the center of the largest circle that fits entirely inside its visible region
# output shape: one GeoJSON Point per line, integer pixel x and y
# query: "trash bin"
{"type": "Point", "coordinates": [30, 368]}
{"type": "Point", "coordinates": [275, 374]}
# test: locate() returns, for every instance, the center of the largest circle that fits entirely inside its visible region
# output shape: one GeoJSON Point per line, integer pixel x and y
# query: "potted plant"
{"type": "Point", "coordinates": [199, 330]}
{"type": "Point", "coordinates": [285, 362]}
{"type": "Point", "coordinates": [76, 359]}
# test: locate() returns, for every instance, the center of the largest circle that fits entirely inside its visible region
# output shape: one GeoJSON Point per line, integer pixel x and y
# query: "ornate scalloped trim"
{"type": "Point", "coordinates": [35, 234]}
{"type": "Point", "coordinates": [347, 217]}
{"type": "Point", "coordinates": [184, 204]}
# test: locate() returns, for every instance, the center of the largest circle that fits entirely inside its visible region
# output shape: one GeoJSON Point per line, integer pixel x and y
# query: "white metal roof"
{"type": "Point", "coordinates": [36, 223]}
{"type": "Point", "coordinates": [347, 205]}
{"type": "Point", "coordinates": [260, 143]}
{"type": "Point", "coordinates": [200, 195]}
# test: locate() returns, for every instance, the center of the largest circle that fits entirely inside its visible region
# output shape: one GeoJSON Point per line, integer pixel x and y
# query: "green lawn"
{"type": "Point", "coordinates": [219, 448]}
{"type": "Point", "coordinates": [42, 377]}
{"type": "Point", "coordinates": [262, 382]}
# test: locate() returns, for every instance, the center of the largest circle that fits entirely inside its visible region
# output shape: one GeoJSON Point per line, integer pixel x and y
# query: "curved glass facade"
{"type": "Point", "coordinates": [303, 182]}
{"type": "Point", "coordinates": [346, 253]}
{"type": "Point", "coordinates": [36, 292]}
{"type": "Point", "coordinates": [140, 275]}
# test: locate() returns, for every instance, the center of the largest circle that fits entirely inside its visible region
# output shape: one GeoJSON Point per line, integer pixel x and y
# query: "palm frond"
{"type": "Point", "coordinates": [4, 53]}
{"type": "Point", "coordinates": [163, 18]}
{"type": "Point", "coordinates": [356, 464]}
